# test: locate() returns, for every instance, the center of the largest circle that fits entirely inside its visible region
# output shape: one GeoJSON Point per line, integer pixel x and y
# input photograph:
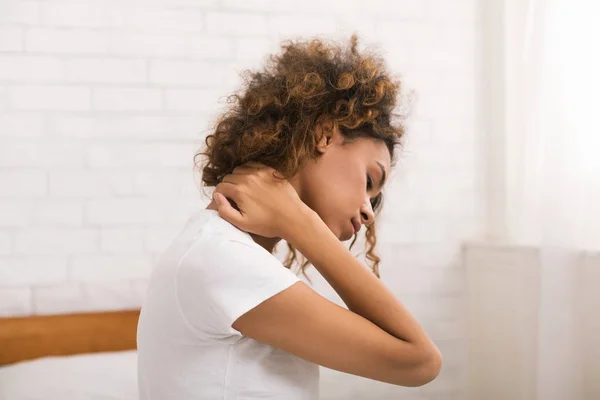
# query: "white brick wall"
{"type": "Point", "coordinates": [103, 102]}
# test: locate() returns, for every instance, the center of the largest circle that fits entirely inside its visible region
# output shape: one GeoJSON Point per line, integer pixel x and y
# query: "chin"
{"type": "Point", "coordinates": [339, 232]}
{"type": "Point", "coordinates": [345, 236]}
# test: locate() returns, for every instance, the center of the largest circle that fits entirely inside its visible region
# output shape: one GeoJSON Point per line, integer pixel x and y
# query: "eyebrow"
{"type": "Point", "coordinates": [382, 181]}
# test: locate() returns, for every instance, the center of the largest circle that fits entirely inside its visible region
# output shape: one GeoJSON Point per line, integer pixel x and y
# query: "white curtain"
{"type": "Point", "coordinates": [553, 136]}
{"type": "Point", "coordinates": [552, 160]}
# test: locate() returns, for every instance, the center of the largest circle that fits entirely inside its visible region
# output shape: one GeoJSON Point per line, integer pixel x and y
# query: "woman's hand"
{"type": "Point", "coordinates": [266, 205]}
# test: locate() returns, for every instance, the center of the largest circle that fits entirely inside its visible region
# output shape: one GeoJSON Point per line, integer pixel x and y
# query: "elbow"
{"type": "Point", "coordinates": [426, 371]}
{"type": "Point", "coordinates": [430, 369]}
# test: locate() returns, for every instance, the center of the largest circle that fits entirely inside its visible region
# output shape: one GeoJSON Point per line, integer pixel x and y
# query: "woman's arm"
{"type": "Point", "coordinates": [376, 338]}
{"type": "Point", "coordinates": [359, 288]}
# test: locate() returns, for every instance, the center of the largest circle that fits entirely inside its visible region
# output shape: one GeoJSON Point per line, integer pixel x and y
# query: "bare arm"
{"type": "Point", "coordinates": [362, 291]}
{"type": "Point", "coordinates": [376, 338]}
{"type": "Point", "coordinates": [301, 322]}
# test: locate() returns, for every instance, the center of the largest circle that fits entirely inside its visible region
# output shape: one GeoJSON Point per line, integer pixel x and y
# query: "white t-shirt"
{"type": "Point", "coordinates": [210, 275]}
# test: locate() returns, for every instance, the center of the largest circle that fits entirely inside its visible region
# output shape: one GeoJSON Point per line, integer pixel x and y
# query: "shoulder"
{"type": "Point", "coordinates": [208, 226]}
{"type": "Point", "coordinates": [221, 241]}
{"type": "Point", "coordinates": [223, 275]}
{"type": "Point", "coordinates": [214, 242]}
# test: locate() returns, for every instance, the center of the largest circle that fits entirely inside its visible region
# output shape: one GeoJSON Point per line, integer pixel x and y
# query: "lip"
{"type": "Point", "coordinates": [355, 225]}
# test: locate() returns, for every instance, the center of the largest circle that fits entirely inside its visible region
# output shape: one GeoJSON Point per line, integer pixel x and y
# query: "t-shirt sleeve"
{"type": "Point", "coordinates": [216, 283]}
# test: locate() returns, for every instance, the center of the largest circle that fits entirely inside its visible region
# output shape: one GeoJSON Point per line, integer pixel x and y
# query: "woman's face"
{"type": "Point", "coordinates": [340, 184]}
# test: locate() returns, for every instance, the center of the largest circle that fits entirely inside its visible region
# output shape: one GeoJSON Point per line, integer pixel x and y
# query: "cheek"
{"type": "Point", "coordinates": [341, 194]}
{"type": "Point", "coordinates": [335, 194]}
{"type": "Point", "coordinates": [334, 186]}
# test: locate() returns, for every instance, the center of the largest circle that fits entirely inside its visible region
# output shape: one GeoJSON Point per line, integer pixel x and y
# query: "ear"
{"type": "Point", "coordinates": [325, 133]}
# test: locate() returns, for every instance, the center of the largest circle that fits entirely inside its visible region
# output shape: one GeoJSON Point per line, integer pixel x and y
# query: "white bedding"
{"type": "Point", "coordinates": [99, 376]}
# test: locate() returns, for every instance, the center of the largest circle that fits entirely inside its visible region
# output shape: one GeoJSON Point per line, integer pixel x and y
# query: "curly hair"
{"type": "Point", "coordinates": [273, 119]}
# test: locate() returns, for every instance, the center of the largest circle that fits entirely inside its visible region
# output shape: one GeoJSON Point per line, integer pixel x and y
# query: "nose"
{"type": "Point", "coordinates": [367, 216]}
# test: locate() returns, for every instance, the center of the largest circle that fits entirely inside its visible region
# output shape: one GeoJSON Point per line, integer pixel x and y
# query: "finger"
{"type": "Point", "coordinates": [229, 190]}
{"type": "Point", "coordinates": [226, 210]}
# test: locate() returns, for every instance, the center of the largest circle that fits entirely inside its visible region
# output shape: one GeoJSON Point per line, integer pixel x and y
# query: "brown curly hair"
{"type": "Point", "coordinates": [273, 119]}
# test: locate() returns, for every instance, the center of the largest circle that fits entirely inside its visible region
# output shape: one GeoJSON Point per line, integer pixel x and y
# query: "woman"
{"type": "Point", "coordinates": [302, 155]}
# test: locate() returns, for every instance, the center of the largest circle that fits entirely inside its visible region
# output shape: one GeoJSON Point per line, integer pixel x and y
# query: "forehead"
{"type": "Point", "coordinates": [372, 150]}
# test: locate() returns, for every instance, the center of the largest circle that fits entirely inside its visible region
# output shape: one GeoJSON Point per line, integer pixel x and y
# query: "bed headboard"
{"type": "Point", "coordinates": [25, 338]}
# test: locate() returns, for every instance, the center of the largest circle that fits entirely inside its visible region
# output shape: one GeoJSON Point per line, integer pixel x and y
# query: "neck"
{"type": "Point", "coordinates": [265, 242]}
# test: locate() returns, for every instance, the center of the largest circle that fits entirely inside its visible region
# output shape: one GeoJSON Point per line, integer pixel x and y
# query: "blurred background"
{"type": "Point", "coordinates": [490, 232]}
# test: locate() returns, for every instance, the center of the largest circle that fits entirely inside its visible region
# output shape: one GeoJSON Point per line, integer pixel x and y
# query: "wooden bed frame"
{"type": "Point", "coordinates": [26, 338]}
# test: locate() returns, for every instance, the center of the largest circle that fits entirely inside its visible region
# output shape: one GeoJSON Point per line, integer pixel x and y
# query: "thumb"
{"type": "Point", "coordinates": [226, 210]}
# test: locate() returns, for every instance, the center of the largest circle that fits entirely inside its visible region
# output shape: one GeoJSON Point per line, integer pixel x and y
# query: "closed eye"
{"type": "Point", "coordinates": [369, 183]}
{"type": "Point", "coordinates": [376, 202]}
